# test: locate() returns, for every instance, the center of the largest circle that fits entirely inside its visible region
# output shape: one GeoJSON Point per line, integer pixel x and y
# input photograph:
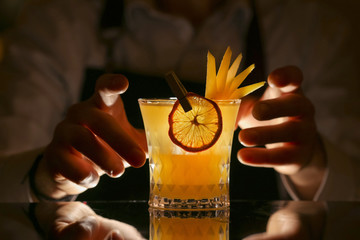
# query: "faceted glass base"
{"type": "Point", "coordinates": [167, 203]}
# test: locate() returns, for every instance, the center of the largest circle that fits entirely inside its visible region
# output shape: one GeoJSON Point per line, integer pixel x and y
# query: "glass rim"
{"type": "Point", "coordinates": [173, 99]}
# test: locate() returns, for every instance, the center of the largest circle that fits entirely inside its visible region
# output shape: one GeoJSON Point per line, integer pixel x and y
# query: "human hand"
{"type": "Point", "coordinates": [76, 220]}
{"type": "Point", "coordinates": [94, 138]}
{"type": "Point", "coordinates": [283, 121]}
{"type": "Point", "coordinates": [299, 220]}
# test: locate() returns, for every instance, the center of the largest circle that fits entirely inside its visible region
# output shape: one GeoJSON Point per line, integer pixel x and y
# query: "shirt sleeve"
{"type": "Point", "coordinates": [45, 55]}
{"type": "Point", "coordinates": [320, 40]}
{"type": "Point", "coordinates": [340, 182]}
{"type": "Point", "coordinates": [14, 182]}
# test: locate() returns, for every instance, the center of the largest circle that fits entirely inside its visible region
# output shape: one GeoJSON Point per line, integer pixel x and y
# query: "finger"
{"type": "Point", "coordinates": [266, 236]}
{"type": "Point", "coordinates": [289, 105]}
{"type": "Point", "coordinates": [139, 136]}
{"type": "Point", "coordinates": [112, 228]}
{"type": "Point", "coordinates": [114, 235]}
{"type": "Point", "coordinates": [85, 142]}
{"type": "Point", "coordinates": [262, 157]}
{"type": "Point", "coordinates": [290, 131]}
{"type": "Point", "coordinates": [84, 229]}
{"type": "Point", "coordinates": [246, 107]}
{"type": "Point", "coordinates": [120, 136]}
{"type": "Point", "coordinates": [107, 128]}
{"type": "Point", "coordinates": [71, 165]}
{"type": "Point", "coordinates": [107, 90]}
{"type": "Point", "coordinates": [287, 79]}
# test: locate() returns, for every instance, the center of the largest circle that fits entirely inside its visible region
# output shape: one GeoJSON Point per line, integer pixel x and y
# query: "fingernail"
{"type": "Point", "coordinates": [90, 181]}
{"type": "Point", "coordinates": [108, 99]}
{"type": "Point", "coordinates": [126, 164]}
{"type": "Point", "coordinates": [289, 88]}
{"type": "Point", "coordinates": [115, 235]}
{"type": "Point", "coordinates": [271, 84]}
{"type": "Point", "coordinates": [112, 174]}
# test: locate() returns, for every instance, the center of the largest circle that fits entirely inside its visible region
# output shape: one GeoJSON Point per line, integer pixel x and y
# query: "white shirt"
{"type": "Point", "coordinates": [45, 61]}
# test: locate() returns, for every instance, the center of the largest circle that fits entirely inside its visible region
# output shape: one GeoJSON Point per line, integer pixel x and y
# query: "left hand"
{"type": "Point", "coordinates": [75, 220]}
{"type": "Point", "coordinates": [283, 121]}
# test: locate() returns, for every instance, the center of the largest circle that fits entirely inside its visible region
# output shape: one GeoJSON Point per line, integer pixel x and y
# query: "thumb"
{"type": "Point", "coordinates": [107, 90]}
{"type": "Point", "coordinates": [245, 118]}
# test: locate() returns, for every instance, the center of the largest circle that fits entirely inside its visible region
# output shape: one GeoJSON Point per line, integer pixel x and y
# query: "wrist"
{"type": "Point", "coordinates": [309, 178]}
{"type": "Point", "coordinates": [36, 192]}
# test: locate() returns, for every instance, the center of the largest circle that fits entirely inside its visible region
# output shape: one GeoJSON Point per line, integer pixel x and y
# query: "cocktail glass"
{"type": "Point", "coordinates": [181, 179]}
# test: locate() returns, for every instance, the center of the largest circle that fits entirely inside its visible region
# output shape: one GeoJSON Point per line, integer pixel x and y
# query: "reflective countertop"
{"type": "Point", "coordinates": [135, 220]}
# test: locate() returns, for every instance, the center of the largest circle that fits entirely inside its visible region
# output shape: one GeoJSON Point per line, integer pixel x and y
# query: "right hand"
{"type": "Point", "coordinates": [283, 120]}
{"type": "Point", "coordinates": [94, 138]}
{"type": "Point", "coordinates": [297, 221]}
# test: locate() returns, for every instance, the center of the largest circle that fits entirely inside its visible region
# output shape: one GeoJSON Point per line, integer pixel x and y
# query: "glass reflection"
{"type": "Point", "coordinates": [295, 220]}
{"type": "Point", "coordinates": [207, 225]}
{"type": "Point", "coordinates": [255, 220]}
{"type": "Point", "coordinates": [77, 220]}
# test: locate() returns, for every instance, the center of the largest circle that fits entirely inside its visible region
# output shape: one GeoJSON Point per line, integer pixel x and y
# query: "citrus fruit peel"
{"type": "Point", "coordinates": [197, 129]}
{"type": "Point", "coordinates": [225, 84]}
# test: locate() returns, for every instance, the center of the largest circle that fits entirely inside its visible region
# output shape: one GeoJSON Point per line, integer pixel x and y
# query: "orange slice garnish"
{"type": "Point", "coordinates": [197, 129]}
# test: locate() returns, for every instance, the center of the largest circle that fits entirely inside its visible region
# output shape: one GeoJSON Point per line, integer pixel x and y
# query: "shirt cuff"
{"type": "Point", "coordinates": [14, 183]}
{"type": "Point", "coordinates": [339, 182]}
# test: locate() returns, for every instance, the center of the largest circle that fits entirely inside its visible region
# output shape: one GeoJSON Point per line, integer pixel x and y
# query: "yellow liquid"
{"type": "Point", "coordinates": [176, 174]}
{"type": "Point", "coordinates": [189, 228]}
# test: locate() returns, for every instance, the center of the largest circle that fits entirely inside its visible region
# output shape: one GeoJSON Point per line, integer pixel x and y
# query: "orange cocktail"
{"type": "Point", "coordinates": [190, 147]}
{"type": "Point", "coordinates": [183, 179]}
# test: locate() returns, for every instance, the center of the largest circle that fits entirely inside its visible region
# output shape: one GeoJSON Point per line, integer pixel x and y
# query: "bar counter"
{"type": "Point", "coordinates": [135, 220]}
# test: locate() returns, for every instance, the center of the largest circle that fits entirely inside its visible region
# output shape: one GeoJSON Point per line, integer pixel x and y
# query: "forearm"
{"type": "Point", "coordinates": [340, 181]}
{"type": "Point", "coordinates": [307, 181]}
